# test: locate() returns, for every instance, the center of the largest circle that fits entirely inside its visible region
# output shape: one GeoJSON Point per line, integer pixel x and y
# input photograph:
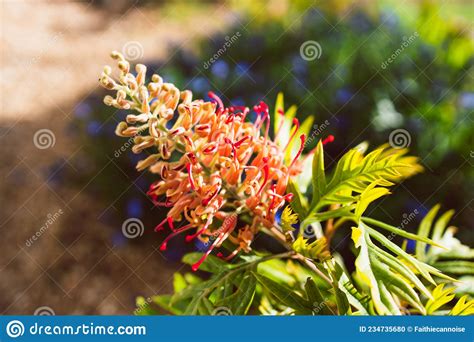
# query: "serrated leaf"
{"type": "Point", "coordinates": [239, 301]}
{"type": "Point", "coordinates": [298, 203]}
{"type": "Point", "coordinates": [314, 295]}
{"type": "Point", "coordinates": [364, 268]}
{"type": "Point", "coordinates": [284, 294]}
{"type": "Point", "coordinates": [463, 307]}
{"type": "Point", "coordinates": [370, 194]}
{"type": "Point", "coordinates": [441, 297]}
{"type": "Point", "coordinates": [354, 173]}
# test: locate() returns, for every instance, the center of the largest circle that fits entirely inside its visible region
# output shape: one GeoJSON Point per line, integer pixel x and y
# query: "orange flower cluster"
{"type": "Point", "coordinates": [219, 173]}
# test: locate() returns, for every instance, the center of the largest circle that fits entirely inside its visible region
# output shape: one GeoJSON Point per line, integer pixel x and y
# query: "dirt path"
{"type": "Point", "coordinates": [54, 250]}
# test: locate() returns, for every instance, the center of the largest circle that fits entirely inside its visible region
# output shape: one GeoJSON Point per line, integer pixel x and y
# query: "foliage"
{"type": "Point", "coordinates": [310, 277]}
{"type": "Point", "coordinates": [309, 274]}
{"type": "Point", "coordinates": [346, 86]}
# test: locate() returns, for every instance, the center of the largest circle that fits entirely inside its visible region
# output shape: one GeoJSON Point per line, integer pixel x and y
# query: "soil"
{"type": "Point", "coordinates": [55, 251]}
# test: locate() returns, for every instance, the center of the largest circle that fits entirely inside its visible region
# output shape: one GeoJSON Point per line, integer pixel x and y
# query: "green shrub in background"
{"type": "Point", "coordinates": [354, 91]}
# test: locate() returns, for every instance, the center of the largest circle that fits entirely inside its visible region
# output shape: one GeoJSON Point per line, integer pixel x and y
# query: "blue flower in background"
{"type": "Point", "coordinates": [200, 85]}
{"type": "Point", "coordinates": [344, 95]}
{"type": "Point", "coordinates": [142, 183]}
{"type": "Point", "coordinates": [201, 246]}
{"type": "Point", "coordinates": [134, 208]}
{"type": "Point", "coordinates": [94, 128]}
{"type": "Point", "coordinates": [220, 69]}
{"type": "Point", "coordinates": [466, 100]}
{"type": "Point", "coordinates": [82, 110]}
{"type": "Point", "coordinates": [55, 172]}
{"type": "Point", "coordinates": [134, 158]}
{"type": "Point", "coordinates": [411, 245]}
{"type": "Point", "coordinates": [360, 22]}
{"type": "Point", "coordinates": [237, 102]}
{"type": "Point", "coordinates": [118, 239]}
{"type": "Point", "coordinates": [242, 68]}
{"type": "Point", "coordinates": [390, 19]}
{"type": "Point", "coordinates": [299, 65]}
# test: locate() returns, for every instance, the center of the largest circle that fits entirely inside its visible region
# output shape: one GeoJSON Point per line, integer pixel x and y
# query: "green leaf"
{"type": "Point", "coordinates": [315, 297]}
{"type": "Point", "coordinates": [318, 177]}
{"type": "Point", "coordinates": [355, 172]}
{"type": "Point", "coordinates": [316, 250]}
{"type": "Point", "coordinates": [179, 283]}
{"type": "Point", "coordinates": [284, 294]}
{"type": "Point", "coordinates": [356, 299]}
{"type": "Point", "coordinates": [205, 307]}
{"type": "Point", "coordinates": [455, 267]}
{"type": "Point", "coordinates": [212, 263]}
{"type": "Point", "coordinates": [276, 270]}
{"type": "Point", "coordinates": [143, 307]}
{"type": "Point", "coordinates": [441, 224]}
{"type": "Point", "coordinates": [239, 302]}
{"type": "Point", "coordinates": [364, 268]}
{"type": "Point", "coordinates": [441, 297]}
{"type": "Point", "coordinates": [327, 215]}
{"type": "Point", "coordinates": [342, 301]}
{"type": "Point", "coordinates": [298, 203]}
{"type": "Point", "coordinates": [400, 232]}
{"type": "Point", "coordinates": [370, 194]}
{"type": "Point", "coordinates": [424, 231]}
{"type": "Point", "coordinates": [463, 307]}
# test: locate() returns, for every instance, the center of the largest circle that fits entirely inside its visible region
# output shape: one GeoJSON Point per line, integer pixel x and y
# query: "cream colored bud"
{"type": "Point", "coordinates": [120, 128]}
{"type": "Point", "coordinates": [106, 82]}
{"type": "Point", "coordinates": [143, 92]}
{"type": "Point", "coordinates": [152, 128]}
{"type": "Point", "coordinates": [137, 118]}
{"type": "Point", "coordinates": [143, 164]}
{"type": "Point", "coordinates": [123, 130]}
{"type": "Point", "coordinates": [124, 66]}
{"type": "Point", "coordinates": [186, 96]}
{"type": "Point", "coordinates": [140, 68]}
{"type": "Point", "coordinates": [144, 143]}
{"type": "Point", "coordinates": [141, 73]}
{"type": "Point", "coordinates": [131, 82]}
{"type": "Point", "coordinates": [107, 70]}
{"type": "Point", "coordinates": [117, 55]}
{"type": "Point", "coordinates": [157, 79]}
{"type": "Point", "coordinates": [121, 95]}
{"type": "Point", "coordinates": [109, 100]}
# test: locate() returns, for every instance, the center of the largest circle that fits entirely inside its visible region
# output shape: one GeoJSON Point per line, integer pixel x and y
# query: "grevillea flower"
{"type": "Point", "coordinates": [221, 176]}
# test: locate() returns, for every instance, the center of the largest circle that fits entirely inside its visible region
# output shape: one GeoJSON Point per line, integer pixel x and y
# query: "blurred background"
{"type": "Point", "coordinates": [76, 226]}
